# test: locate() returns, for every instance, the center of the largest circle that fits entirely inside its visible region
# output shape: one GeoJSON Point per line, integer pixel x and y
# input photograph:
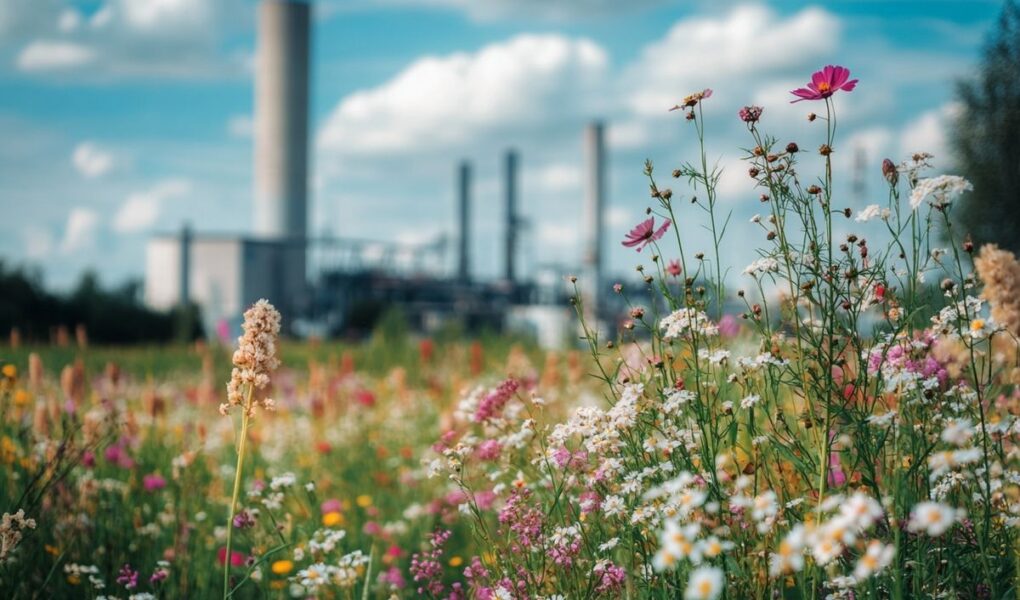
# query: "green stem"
{"type": "Point", "coordinates": [237, 491]}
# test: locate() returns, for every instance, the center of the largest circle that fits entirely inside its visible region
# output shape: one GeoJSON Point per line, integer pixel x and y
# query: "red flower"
{"type": "Point", "coordinates": [825, 83]}
{"type": "Point", "coordinates": [645, 233]}
{"type": "Point", "coordinates": [236, 558]}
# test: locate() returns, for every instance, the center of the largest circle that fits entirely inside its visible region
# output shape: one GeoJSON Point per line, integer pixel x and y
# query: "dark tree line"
{"type": "Point", "coordinates": [986, 138]}
{"type": "Point", "coordinates": [110, 316]}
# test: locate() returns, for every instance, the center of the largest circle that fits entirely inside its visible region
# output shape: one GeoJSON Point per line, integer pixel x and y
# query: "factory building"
{"type": "Point", "coordinates": [325, 286]}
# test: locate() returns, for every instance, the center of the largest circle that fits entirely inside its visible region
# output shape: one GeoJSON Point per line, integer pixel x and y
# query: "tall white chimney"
{"type": "Point", "coordinates": [281, 120]}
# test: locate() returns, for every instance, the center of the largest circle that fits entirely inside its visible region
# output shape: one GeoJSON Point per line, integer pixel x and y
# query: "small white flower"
{"type": "Point", "coordinates": [932, 518]}
{"type": "Point", "coordinates": [706, 583]}
{"type": "Point", "coordinates": [870, 212]}
{"type": "Point", "coordinates": [877, 557]}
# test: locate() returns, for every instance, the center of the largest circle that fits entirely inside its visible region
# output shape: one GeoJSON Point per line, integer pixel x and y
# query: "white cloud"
{"type": "Point", "coordinates": [54, 55]}
{"type": "Point", "coordinates": [927, 133]}
{"type": "Point", "coordinates": [127, 38]}
{"type": "Point", "coordinates": [240, 126]}
{"type": "Point", "coordinates": [559, 178]}
{"type": "Point", "coordinates": [38, 242]}
{"type": "Point", "coordinates": [543, 9]}
{"type": "Point", "coordinates": [91, 161]}
{"type": "Point", "coordinates": [80, 231]}
{"type": "Point", "coordinates": [747, 45]}
{"type": "Point", "coordinates": [141, 210]}
{"type": "Point", "coordinates": [447, 102]}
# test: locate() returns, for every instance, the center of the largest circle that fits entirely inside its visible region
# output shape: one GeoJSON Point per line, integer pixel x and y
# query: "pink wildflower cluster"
{"type": "Point", "coordinates": [523, 519]}
{"type": "Point", "coordinates": [427, 570]}
{"type": "Point", "coordinates": [610, 577]}
{"type": "Point", "coordinates": [905, 361]}
{"type": "Point", "coordinates": [492, 404]}
{"type": "Point", "coordinates": [565, 459]}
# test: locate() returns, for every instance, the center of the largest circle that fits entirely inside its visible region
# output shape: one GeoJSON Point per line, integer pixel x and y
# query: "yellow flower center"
{"type": "Point", "coordinates": [705, 588]}
{"type": "Point", "coordinates": [977, 324]}
{"type": "Point", "coordinates": [823, 87]}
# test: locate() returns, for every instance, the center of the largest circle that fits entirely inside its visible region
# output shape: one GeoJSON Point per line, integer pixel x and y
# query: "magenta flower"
{"type": "Point", "coordinates": [153, 482]}
{"type": "Point", "coordinates": [645, 233]}
{"type": "Point", "coordinates": [825, 83]}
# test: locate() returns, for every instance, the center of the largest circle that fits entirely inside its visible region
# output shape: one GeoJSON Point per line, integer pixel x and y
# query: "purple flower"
{"type": "Point", "coordinates": [825, 83]}
{"type": "Point", "coordinates": [645, 233]}
{"type": "Point", "coordinates": [243, 520]}
{"type": "Point", "coordinates": [750, 114]}
{"type": "Point", "coordinates": [128, 577]}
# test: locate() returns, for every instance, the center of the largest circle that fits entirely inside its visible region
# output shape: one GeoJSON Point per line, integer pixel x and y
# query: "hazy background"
{"type": "Point", "coordinates": [121, 118]}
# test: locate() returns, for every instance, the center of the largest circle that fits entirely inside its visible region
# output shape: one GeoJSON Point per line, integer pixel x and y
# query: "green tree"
{"type": "Point", "coordinates": [987, 137]}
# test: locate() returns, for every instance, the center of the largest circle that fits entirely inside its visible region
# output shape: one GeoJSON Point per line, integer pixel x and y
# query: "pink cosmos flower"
{"type": "Point", "coordinates": [674, 268]}
{"type": "Point", "coordinates": [825, 83]}
{"type": "Point", "coordinates": [645, 233]}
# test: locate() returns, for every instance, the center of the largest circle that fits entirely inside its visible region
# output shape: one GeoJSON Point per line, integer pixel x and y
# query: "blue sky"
{"type": "Point", "coordinates": [122, 118]}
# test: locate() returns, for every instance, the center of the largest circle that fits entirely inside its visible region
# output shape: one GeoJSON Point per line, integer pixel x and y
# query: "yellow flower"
{"type": "Point", "coordinates": [21, 397]}
{"type": "Point", "coordinates": [52, 549]}
{"type": "Point", "coordinates": [977, 324]}
{"type": "Point", "coordinates": [332, 519]}
{"type": "Point", "coordinates": [456, 561]}
{"type": "Point", "coordinates": [364, 501]}
{"type": "Point", "coordinates": [10, 371]}
{"type": "Point", "coordinates": [282, 567]}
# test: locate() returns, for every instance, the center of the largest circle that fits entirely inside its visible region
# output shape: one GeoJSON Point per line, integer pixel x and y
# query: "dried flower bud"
{"type": "Point", "coordinates": [771, 236]}
{"type": "Point", "coordinates": [889, 172]}
{"type": "Point", "coordinates": [792, 148]}
{"type": "Point", "coordinates": [968, 245]}
{"type": "Point", "coordinates": [753, 172]}
{"type": "Point", "coordinates": [847, 212]}
{"type": "Point", "coordinates": [851, 238]}
{"type": "Point", "coordinates": [825, 150]}
{"type": "Point", "coordinates": [637, 312]}
{"type": "Point", "coordinates": [772, 157]}
{"type": "Point", "coordinates": [763, 198]}
{"type": "Point", "coordinates": [811, 116]}
{"type": "Point", "coordinates": [758, 151]}
{"type": "Point", "coordinates": [700, 256]}
{"type": "Point", "coordinates": [948, 285]}
{"type": "Point", "coordinates": [814, 189]}
{"type": "Point", "coordinates": [676, 173]}
{"type": "Point", "coordinates": [649, 279]}
{"type": "Point", "coordinates": [666, 194]}
{"type": "Point", "coordinates": [573, 279]}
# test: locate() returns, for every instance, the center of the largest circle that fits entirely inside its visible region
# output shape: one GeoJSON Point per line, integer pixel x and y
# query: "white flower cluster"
{"type": "Point", "coordinates": [687, 322]}
{"type": "Point", "coordinates": [942, 188]}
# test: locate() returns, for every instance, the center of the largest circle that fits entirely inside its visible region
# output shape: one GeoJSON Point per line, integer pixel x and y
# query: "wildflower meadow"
{"type": "Point", "coordinates": [837, 419]}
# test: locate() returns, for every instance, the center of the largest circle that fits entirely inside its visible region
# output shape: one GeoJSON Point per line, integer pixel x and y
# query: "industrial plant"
{"type": "Point", "coordinates": [327, 286]}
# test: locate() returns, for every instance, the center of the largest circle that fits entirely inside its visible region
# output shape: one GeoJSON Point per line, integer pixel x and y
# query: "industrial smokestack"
{"type": "Point", "coordinates": [509, 272]}
{"type": "Point", "coordinates": [594, 204]}
{"type": "Point", "coordinates": [281, 121]}
{"type": "Point", "coordinates": [185, 273]}
{"type": "Point", "coordinates": [464, 218]}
